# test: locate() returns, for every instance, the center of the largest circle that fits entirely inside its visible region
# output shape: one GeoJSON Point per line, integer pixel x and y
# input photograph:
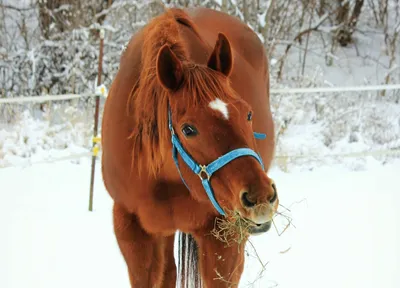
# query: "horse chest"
{"type": "Point", "coordinates": [169, 208]}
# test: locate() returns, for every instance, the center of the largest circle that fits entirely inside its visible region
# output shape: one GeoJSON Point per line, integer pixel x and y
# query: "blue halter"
{"type": "Point", "coordinates": [206, 171]}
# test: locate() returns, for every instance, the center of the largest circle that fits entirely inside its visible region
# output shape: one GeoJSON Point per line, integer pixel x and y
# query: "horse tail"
{"type": "Point", "coordinates": [188, 268]}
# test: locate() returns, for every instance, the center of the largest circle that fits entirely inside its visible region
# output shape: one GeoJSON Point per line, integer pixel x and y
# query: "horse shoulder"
{"type": "Point", "coordinates": [117, 121]}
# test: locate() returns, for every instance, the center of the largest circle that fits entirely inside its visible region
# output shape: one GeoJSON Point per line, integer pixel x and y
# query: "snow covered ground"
{"type": "Point", "coordinates": [347, 230]}
{"type": "Point", "coordinates": [346, 210]}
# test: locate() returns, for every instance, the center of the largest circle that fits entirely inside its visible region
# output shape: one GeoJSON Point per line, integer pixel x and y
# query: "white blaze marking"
{"type": "Point", "coordinates": [220, 106]}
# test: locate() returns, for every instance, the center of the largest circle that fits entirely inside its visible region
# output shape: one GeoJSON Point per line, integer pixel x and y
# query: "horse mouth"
{"type": "Point", "coordinates": [257, 229]}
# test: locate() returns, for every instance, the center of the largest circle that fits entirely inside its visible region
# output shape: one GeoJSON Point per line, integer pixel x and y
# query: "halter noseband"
{"type": "Point", "coordinates": [206, 171]}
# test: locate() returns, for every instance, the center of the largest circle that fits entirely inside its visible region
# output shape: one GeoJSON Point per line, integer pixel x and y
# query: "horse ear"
{"type": "Point", "coordinates": [221, 58]}
{"type": "Point", "coordinates": [169, 69]}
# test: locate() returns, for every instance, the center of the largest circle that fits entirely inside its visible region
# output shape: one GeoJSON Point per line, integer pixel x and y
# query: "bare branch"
{"type": "Point", "coordinates": [19, 9]}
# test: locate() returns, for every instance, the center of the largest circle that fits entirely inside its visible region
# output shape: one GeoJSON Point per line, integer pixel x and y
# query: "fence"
{"type": "Point", "coordinates": [102, 91]}
{"type": "Point", "coordinates": [280, 159]}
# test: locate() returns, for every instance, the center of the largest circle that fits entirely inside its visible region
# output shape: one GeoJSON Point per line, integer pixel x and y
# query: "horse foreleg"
{"type": "Point", "coordinates": [220, 266]}
{"type": "Point", "coordinates": [143, 253]}
{"type": "Point", "coordinates": [170, 267]}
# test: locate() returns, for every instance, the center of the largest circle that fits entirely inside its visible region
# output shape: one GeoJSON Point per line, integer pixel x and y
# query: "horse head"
{"type": "Point", "coordinates": [214, 145]}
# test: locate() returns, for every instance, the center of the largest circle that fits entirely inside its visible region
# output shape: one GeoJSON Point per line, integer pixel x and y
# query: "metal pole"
{"type": "Point", "coordinates": [96, 121]}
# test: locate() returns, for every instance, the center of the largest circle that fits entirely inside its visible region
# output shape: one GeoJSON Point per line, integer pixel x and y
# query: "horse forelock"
{"type": "Point", "coordinates": [149, 100]}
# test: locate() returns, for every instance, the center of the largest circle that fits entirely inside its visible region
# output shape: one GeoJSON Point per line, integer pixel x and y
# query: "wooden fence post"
{"type": "Point", "coordinates": [96, 122]}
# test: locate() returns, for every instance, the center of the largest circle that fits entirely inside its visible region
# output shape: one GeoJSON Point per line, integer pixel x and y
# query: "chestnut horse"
{"type": "Point", "coordinates": [183, 145]}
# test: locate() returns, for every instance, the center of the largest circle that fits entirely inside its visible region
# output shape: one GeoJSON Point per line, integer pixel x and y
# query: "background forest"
{"type": "Point", "coordinates": [52, 47]}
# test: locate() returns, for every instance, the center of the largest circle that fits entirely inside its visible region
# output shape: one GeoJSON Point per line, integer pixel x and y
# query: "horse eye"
{"type": "Point", "coordinates": [189, 131]}
{"type": "Point", "coordinates": [249, 116]}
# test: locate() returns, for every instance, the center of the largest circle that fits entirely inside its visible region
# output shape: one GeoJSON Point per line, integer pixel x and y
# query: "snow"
{"type": "Point", "coordinates": [347, 230]}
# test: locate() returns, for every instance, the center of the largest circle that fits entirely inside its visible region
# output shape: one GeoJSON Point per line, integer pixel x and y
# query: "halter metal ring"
{"type": "Point", "coordinates": [203, 174]}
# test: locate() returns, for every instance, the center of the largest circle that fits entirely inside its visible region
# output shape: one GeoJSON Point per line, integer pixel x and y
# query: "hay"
{"type": "Point", "coordinates": [232, 229]}
{"type": "Point", "coordinates": [235, 230]}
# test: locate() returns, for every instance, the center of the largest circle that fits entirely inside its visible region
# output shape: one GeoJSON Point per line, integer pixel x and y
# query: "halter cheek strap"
{"type": "Point", "coordinates": [206, 171]}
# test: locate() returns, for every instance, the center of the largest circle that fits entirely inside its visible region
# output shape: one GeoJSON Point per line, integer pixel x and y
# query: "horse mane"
{"type": "Point", "coordinates": [149, 100]}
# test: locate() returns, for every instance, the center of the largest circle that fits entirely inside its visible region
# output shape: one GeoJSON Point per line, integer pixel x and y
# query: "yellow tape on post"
{"type": "Point", "coordinates": [96, 139]}
{"type": "Point", "coordinates": [96, 150]}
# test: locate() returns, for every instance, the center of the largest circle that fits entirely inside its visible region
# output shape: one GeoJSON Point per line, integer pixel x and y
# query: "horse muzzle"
{"type": "Point", "coordinates": [258, 229]}
{"type": "Point", "coordinates": [260, 216]}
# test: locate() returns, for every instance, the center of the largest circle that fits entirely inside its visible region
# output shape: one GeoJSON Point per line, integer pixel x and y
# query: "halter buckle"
{"type": "Point", "coordinates": [203, 174]}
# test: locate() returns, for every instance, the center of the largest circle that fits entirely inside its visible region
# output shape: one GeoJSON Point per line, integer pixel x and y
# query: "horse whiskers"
{"type": "Point", "coordinates": [263, 205]}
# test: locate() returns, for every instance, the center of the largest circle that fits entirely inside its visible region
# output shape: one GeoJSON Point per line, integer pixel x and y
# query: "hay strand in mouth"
{"type": "Point", "coordinates": [287, 209]}
{"type": "Point", "coordinates": [284, 229]}
{"type": "Point", "coordinates": [232, 229]}
{"type": "Point", "coordinates": [289, 219]}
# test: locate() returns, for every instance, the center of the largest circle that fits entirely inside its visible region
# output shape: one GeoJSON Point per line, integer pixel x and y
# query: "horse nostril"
{"type": "Point", "coordinates": [246, 201]}
{"type": "Point", "coordinates": [275, 195]}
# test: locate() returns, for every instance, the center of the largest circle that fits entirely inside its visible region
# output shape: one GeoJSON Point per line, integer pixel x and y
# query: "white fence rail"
{"type": "Point", "coordinates": [101, 91]}
{"type": "Point", "coordinates": [335, 89]}
{"type": "Point", "coordinates": [45, 98]}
